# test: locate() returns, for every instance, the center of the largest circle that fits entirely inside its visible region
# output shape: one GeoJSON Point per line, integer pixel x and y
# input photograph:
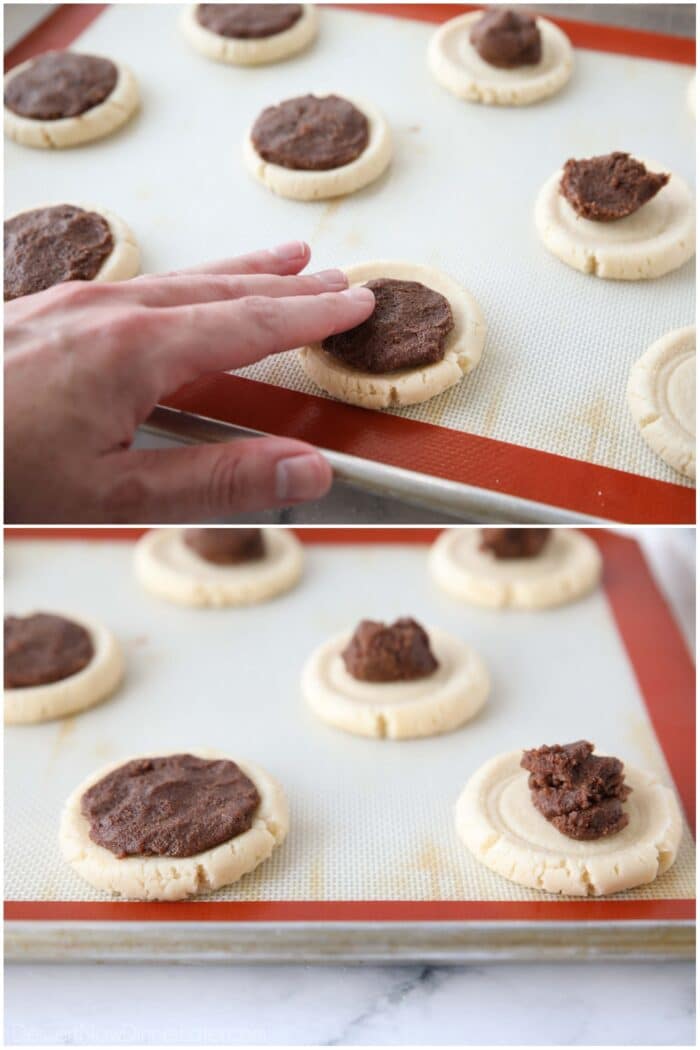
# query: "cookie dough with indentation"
{"type": "Point", "coordinates": [568, 567]}
{"type": "Point", "coordinates": [93, 683]}
{"type": "Point", "coordinates": [167, 567]}
{"type": "Point", "coordinates": [61, 132]}
{"type": "Point", "coordinates": [655, 239]}
{"type": "Point", "coordinates": [304, 185]}
{"type": "Point", "coordinates": [661, 397]}
{"type": "Point", "coordinates": [397, 710]}
{"type": "Point", "coordinates": [251, 51]}
{"type": "Point", "coordinates": [174, 878]}
{"type": "Point", "coordinates": [409, 386]}
{"type": "Point", "coordinates": [497, 821]}
{"type": "Point", "coordinates": [457, 66]}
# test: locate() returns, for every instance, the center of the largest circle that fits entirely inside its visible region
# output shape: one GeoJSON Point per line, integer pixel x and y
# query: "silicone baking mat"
{"type": "Point", "coordinates": [372, 834]}
{"type": "Point", "coordinates": [544, 416]}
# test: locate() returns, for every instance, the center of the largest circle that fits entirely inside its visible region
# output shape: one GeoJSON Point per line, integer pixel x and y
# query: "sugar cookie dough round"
{"type": "Point", "coordinates": [409, 386]}
{"type": "Point", "coordinates": [438, 703]}
{"type": "Point", "coordinates": [567, 568]}
{"type": "Point", "coordinates": [123, 261]}
{"type": "Point", "coordinates": [456, 65]}
{"type": "Point", "coordinates": [167, 567]}
{"type": "Point", "coordinates": [250, 52]}
{"type": "Point", "coordinates": [654, 240]}
{"type": "Point", "coordinates": [498, 823]}
{"type": "Point", "coordinates": [335, 182]}
{"type": "Point", "coordinates": [173, 878]}
{"type": "Point", "coordinates": [94, 683]}
{"type": "Point", "coordinates": [94, 123]}
{"type": "Point", "coordinates": [661, 397]}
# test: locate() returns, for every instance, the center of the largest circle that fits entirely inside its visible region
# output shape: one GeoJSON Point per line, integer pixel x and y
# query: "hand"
{"type": "Point", "coordinates": [87, 362]}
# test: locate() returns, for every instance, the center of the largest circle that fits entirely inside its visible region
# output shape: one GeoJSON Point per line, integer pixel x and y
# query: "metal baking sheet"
{"type": "Point", "coordinates": [543, 419]}
{"type": "Point", "coordinates": [372, 867]}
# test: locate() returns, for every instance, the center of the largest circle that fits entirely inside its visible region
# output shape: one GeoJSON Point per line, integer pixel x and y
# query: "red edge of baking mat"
{"type": "Point", "coordinates": [497, 466]}
{"type": "Point", "coordinates": [666, 678]}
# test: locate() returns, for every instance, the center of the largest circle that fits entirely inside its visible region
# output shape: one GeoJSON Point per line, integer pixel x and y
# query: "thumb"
{"type": "Point", "coordinates": [205, 482]}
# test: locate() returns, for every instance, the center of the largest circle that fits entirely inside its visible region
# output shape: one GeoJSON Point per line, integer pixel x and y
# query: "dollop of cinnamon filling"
{"type": "Point", "coordinates": [507, 38]}
{"type": "Point", "coordinates": [397, 652]}
{"type": "Point", "coordinates": [609, 187]}
{"type": "Point", "coordinates": [578, 792]}
{"type": "Point", "coordinates": [226, 546]}
{"type": "Point", "coordinates": [505, 544]}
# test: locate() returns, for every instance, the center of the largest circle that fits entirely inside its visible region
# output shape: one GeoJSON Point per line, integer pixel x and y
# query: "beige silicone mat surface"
{"type": "Point", "coordinates": [459, 196]}
{"type": "Point", "coordinates": [370, 819]}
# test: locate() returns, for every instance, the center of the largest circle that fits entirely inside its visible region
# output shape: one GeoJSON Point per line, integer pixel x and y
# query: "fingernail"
{"type": "Point", "coordinates": [299, 478]}
{"type": "Point", "coordinates": [360, 295]}
{"type": "Point", "coordinates": [333, 278]}
{"type": "Point", "coordinates": [293, 250]}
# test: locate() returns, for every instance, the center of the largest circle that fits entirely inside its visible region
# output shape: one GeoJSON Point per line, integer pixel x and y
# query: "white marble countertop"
{"type": "Point", "coordinates": [523, 1004]}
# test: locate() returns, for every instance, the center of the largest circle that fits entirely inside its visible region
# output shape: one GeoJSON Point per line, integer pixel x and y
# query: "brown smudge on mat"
{"type": "Point", "coordinates": [329, 212]}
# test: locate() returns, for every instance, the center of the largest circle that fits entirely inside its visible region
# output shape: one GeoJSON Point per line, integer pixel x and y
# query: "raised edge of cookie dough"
{"type": "Point", "coordinates": [397, 710]}
{"type": "Point", "coordinates": [655, 239]}
{"type": "Point", "coordinates": [458, 67]}
{"type": "Point", "coordinates": [261, 51]}
{"type": "Point", "coordinates": [409, 386]}
{"type": "Point", "coordinates": [174, 878]}
{"type": "Point", "coordinates": [94, 123]}
{"type": "Point", "coordinates": [334, 182]}
{"type": "Point", "coordinates": [498, 823]}
{"type": "Point", "coordinates": [124, 260]}
{"type": "Point", "coordinates": [568, 567]}
{"type": "Point", "coordinates": [166, 567]}
{"type": "Point", "coordinates": [661, 398]}
{"type": "Point", "coordinates": [89, 686]}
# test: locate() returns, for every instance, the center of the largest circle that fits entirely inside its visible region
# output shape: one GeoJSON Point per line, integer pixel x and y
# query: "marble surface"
{"type": "Point", "coordinates": [570, 1004]}
{"type": "Point", "coordinates": [575, 1005]}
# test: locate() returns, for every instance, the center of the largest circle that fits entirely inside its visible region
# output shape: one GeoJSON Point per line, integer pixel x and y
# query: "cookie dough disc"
{"type": "Point", "coordinates": [167, 567]}
{"type": "Point", "coordinates": [250, 52]}
{"type": "Point", "coordinates": [96, 681]}
{"type": "Point", "coordinates": [93, 124]}
{"type": "Point", "coordinates": [656, 239]}
{"type": "Point", "coordinates": [409, 386]}
{"type": "Point", "coordinates": [568, 567]}
{"type": "Point", "coordinates": [123, 262]}
{"type": "Point", "coordinates": [456, 65]}
{"type": "Point", "coordinates": [173, 878]}
{"type": "Point", "coordinates": [498, 823]}
{"type": "Point", "coordinates": [335, 182]}
{"type": "Point", "coordinates": [426, 706]}
{"type": "Point", "coordinates": [661, 397]}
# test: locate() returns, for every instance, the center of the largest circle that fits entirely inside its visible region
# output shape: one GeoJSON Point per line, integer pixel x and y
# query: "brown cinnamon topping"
{"type": "Point", "coordinates": [60, 84]}
{"type": "Point", "coordinates": [514, 543]}
{"type": "Point", "coordinates": [507, 39]}
{"type": "Point", "coordinates": [173, 806]}
{"type": "Point", "coordinates": [311, 134]}
{"type": "Point", "coordinates": [609, 187]}
{"type": "Point", "coordinates": [398, 652]}
{"type": "Point", "coordinates": [44, 648]}
{"type": "Point", "coordinates": [408, 329]}
{"type": "Point", "coordinates": [580, 793]}
{"type": "Point", "coordinates": [226, 546]}
{"type": "Point", "coordinates": [248, 21]}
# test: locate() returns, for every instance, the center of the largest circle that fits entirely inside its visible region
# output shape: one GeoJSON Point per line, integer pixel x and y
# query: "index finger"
{"type": "Point", "coordinates": [222, 336]}
{"type": "Point", "coordinates": [283, 259]}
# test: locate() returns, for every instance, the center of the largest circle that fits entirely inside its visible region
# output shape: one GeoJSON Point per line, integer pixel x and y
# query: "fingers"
{"type": "Point", "coordinates": [284, 259]}
{"type": "Point", "coordinates": [206, 482]}
{"type": "Point", "coordinates": [181, 289]}
{"type": "Point", "coordinates": [193, 340]}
